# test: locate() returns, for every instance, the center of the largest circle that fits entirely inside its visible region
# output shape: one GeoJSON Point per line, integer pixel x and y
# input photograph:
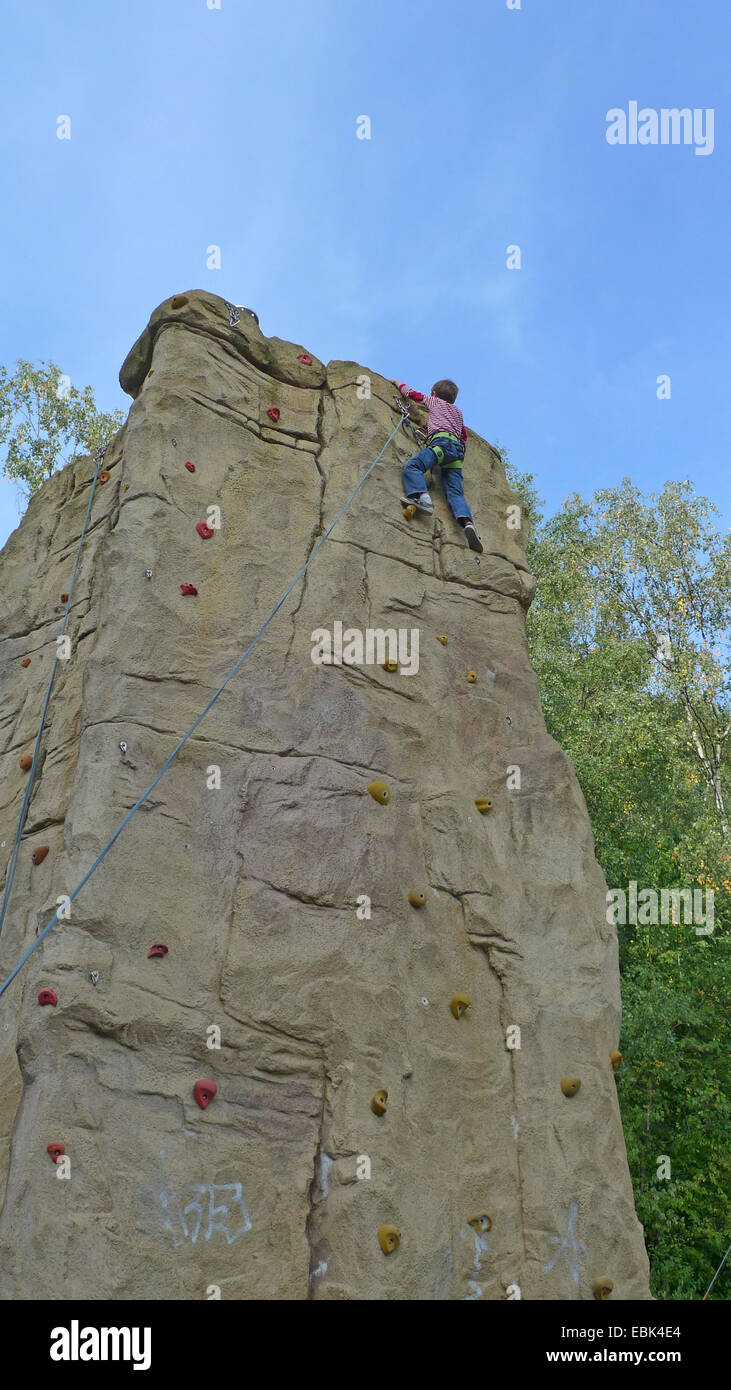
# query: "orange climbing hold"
{"type": "Point", "coordinates": [204, 530]}
{"type": "Point", "coordinates": [40, 853]}
{"type": "Point", "coordinates": [25, 661]}
{"type": "Point", "coordinates": [56, 1151]}
{"type": "Point", "coordinates": [26, 762]}
{"type": "Point", "coordinates": [615, 1059]}
{"type": "Point", "coordinates": [274, 413]}
{"type": "Point", "coordinates": [104, 476]}
{"type": "Point", "coordinates": [188, 589]}
{"type": "Point", "coordinates": [64, 598]}
{"type": "Point", "coordinates": [48, 996]}
{"type": "Point", "coordinates": [203, 1092]}
{"type": "Point", "coordinates": [409, 512]}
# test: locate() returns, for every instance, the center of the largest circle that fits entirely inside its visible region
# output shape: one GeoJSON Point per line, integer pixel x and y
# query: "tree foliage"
{"type": "Point", "coordinates": [45, 422]}
{"type": "Point", "coordinates": [629, 635]}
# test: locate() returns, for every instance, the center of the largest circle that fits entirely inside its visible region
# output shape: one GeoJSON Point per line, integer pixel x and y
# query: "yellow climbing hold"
{"type": "Point", "coordinates": [379, 1101]}
{"type": "Point", "coordinates": [481, 1222]}
{"type": "Point", "coordinates": [483, 804]}
{"type": "Point", "coordinates": [390, 665]}
{"type": "Point", "coordinates": [570, 1085]}
{"type": "Point", "coordinates": [472, 677]}
{"type": "Point", "coordinates": [459, 1004]}
{"type": "Point", "coordinates": [615, 1059]}
{"type": "Point", "coordinates": [601, 1288]}
{"type": "Point", "coordinates": [442, 637]}
{"type": "Point", "coordinates": [416, 898]}
{"type": "Point", "coordinates": [388, 1238]}
{"type": "Point", "coordinates": [409, 512]}
{"type": "Point", "coordinates": [379, 791]}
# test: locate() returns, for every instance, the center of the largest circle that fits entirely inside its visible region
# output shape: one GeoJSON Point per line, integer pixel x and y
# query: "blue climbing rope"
{"type": "Point", "coordinates": [31, 775]}
{"type": "Point", "coordinates": [70, 897]}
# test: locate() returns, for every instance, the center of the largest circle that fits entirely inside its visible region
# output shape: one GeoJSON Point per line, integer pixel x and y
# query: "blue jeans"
{"type": "Point", "coordinates": [413, 475]}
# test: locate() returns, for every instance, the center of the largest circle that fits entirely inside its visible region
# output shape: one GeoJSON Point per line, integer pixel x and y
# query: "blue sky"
{"type": "Point", "coordinates": [237, 127]}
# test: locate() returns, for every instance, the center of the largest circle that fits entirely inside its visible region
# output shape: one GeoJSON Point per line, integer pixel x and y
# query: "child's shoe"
{"type": "Point", "coordinates": [473, 540]}
{"type": "Point", "coordinates": [422, 504]}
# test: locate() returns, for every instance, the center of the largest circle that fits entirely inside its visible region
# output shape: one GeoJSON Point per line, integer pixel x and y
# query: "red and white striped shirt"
{"type": "Point", "coordinates": [443, 417]}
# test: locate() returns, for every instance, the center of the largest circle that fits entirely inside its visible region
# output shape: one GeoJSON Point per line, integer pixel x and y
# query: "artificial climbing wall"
{"type": "Point", "coordinates": [347, 1075]}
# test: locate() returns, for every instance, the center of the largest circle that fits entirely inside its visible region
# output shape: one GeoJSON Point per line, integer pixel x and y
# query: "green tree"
{"type": "Point", "coordinates": [629, 636]}
{"type": "Point", "coordinates": [45, 422]}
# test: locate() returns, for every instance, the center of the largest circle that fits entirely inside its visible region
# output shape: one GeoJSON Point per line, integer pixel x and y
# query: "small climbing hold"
{"type": "Point", "coordinates": [64, 598]}
{"type": "Point", "coordinates": [379, 791]}
{"type": "Point", "coordinates": [508, 720]}
{"type": "Point", "coordinates": [204, 530]}
{"type": "Point", "coordinates": [274, 413]}
{"type": "Point", "coordinates": [40, 853]}
{"type": "Point", "coordinates": [126, 487]}
{"type": "Point", "coordinates": [409, 512]}
{"type": "Point", "coordinates": [483, 804]}
{"type": "Point", "coordinates": [203, 1092]}
{"type": "Point", "coordinates": [602, 1287]}
{"type": "Point", "coordinates": [151, 371]}
{"type": "Point", "coordinates": [481, 1222]}
{"type": "Point", "coordinates": [123, 746]}
{"type": "Point", "coordinates": [417, 898]}
{"type": "Point", "coordinates": [190, 466]}
{"type": "Point", "coordinates": [570, 1085]}
{"type": "Point", "coordinates": [26, 762]}
{"type": "Point", "coordinates": [178, 301]}
{"type": "Point", "coordinates": [48, 996]}
{"type": "Point", "coordinates": [25, 661]}
{"type": "Point", "coordinates": [158, 949]}
{"type": "Point", "coordinates": [442, 637]}
{"type": "Point", "coordinates": [173, 440]}
{"type": "Point", "coordinates": [188, 589]}
{"type": "Point", "coordinates": [390, 665]}
{"type": "Point", "coordinates": [378, 1102]}
{"type": "Point", "coordinates": [104, 476]}
{"type": "Point", "coordinates": [94, 977]}
{"type": "Point", "coordinates": [615, 1059]}
{"type": "Point", "coordinates": [472, 677]}
{"type": "Point", "coordinates": [459, 1005]}
{"type": "Point", "coordinates": [148, 574]}
{"type": "Point", "coordinates": [56, 1151]}
{"type": "Point", "coordinates": [304, 357]}
{"type": "Point", "coordinates": [388, 1238]}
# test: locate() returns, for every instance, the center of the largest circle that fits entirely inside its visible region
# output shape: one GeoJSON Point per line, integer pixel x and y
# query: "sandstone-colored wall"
{"type": "Point", "coordinates": [254, 887]}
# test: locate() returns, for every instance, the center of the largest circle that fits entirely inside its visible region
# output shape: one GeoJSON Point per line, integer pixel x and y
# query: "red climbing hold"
{"type": "Point", "coordinates": [204, 1091]}
{"type": "Point", "coordinates": [55, 1150]}
{"type": "Point", "coordinates": [159, 949]}
{"type": "Point", "coordinates": [48, 996]}
{"type": "Point", "coordinates": [39, 854]}
{"type": "Point", "coordinates": [204, 530]}
{"type": "Point", "coordinates": [304, 357]}
{"type": "Point", "coordinates": [274, 413]}
{"type": "Point", "coordinates": [25, 661]}
{"type": "Point", "coordinates": [190, 466]}
{"type": "Point", "coordinates": [188, 589]}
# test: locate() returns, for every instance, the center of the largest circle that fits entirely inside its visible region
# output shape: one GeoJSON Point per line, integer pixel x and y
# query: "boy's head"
{"type": "Point", "coordinates": [445, 390]}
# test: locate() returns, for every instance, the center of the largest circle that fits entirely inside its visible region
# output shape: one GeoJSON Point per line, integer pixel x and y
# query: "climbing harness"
{"type": "Point", "coordinates": [69, 898]}
{"type": "Point", "coordinates": [12, 863]}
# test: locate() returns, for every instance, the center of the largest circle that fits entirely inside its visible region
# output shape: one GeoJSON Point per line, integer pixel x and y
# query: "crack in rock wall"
{"type": "Point", "coordinates": [257, 885]}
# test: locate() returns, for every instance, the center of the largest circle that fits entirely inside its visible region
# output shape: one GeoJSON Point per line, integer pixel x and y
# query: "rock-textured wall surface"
{"type": "Point", "coordinates": [257, 887]}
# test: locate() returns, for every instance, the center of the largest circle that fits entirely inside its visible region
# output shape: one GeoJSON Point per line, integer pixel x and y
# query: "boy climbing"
{"type": "Point", "coordinates": [445, 444]}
